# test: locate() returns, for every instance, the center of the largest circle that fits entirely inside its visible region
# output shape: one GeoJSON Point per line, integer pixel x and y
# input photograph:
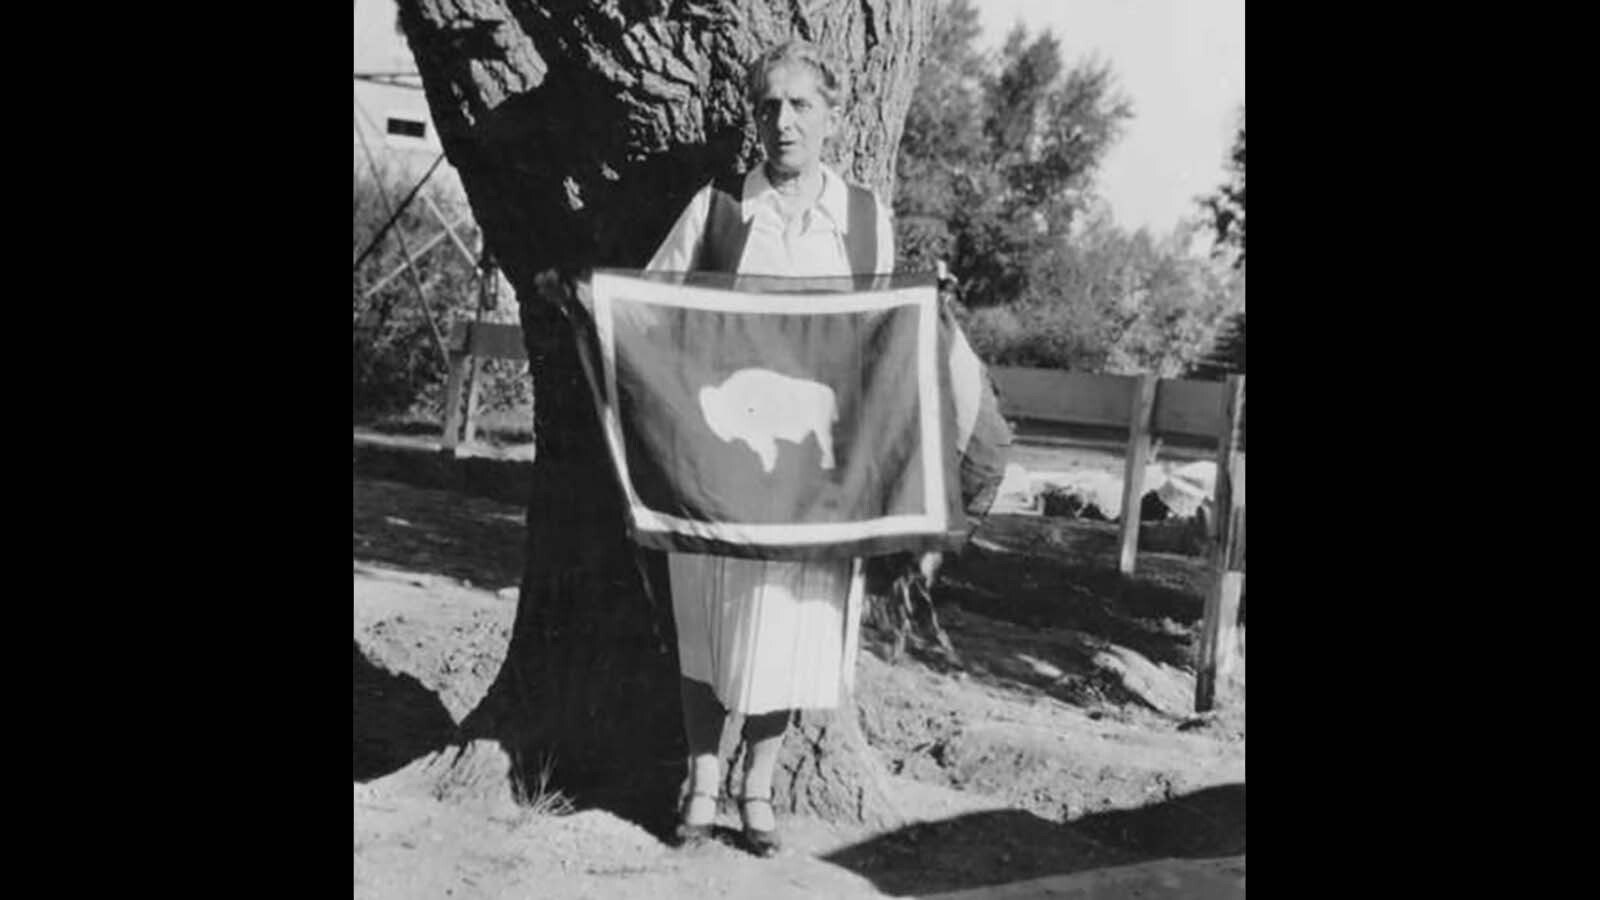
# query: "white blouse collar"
{"type": "Point", "coordinates": [834, 202]}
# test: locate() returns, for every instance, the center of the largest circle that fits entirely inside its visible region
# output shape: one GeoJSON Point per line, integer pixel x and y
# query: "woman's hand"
{"type": "Point", "coordinates": [563, 291]}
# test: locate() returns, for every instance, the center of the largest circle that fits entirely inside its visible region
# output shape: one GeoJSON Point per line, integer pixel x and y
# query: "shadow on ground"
{"type": "Point", "coordinates": [395, 719]}
{"type": "Point", "coordinates": [420, 463]}
{"type": "Point", "coordinates": [411, 511]}
{"type": "Point", "coordinates": [1069, 579]}
{"type": "Point", "coordinates": [1002, 847]}
{"type": "Point", "coordinates": [437, 531]}
{"type": "Point", "coordinates": [430, 428]}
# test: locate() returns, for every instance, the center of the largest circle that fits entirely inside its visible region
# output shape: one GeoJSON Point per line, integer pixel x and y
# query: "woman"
{"type": "Point", "coordinates": [758, 637]}
{"type": "Point", "coordinates": [764, 638]}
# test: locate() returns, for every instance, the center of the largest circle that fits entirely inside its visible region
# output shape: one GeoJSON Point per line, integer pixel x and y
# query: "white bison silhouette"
{"type": "Point", "coordinates": [760, 407]}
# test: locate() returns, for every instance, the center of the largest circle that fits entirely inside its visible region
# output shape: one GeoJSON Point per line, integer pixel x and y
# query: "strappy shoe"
{"type": "Point", "coordinates": [762, 842]}
{"type": "Point", "coordinates": [690, 830]}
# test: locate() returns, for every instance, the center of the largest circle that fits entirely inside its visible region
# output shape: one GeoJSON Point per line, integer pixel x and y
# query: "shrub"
{"type": "Point", "coordinates": [396, 366]}
{"type": "Point", "coordinates": [1106, 300]}
{"type": "Point", "coordinates": [1227, 354]}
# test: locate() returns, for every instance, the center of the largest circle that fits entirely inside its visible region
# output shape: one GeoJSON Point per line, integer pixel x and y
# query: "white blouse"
{"type": "Point", "coordinates": [813, 244]}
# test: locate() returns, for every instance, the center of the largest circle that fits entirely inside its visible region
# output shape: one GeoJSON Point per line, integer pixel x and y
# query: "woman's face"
{"type": "Point", "coordinates": [793, 119]}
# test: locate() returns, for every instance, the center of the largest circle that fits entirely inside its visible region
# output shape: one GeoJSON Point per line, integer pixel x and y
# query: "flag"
{"type": "Point", "coordinates": [776, 418]}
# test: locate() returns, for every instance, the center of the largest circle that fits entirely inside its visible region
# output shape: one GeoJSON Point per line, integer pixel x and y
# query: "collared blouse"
{"type": "Point", "coordinates": [812, 244]}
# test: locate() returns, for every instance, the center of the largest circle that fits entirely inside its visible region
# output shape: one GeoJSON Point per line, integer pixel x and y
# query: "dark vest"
{"type": "Point", "coordinates": [722, 243]}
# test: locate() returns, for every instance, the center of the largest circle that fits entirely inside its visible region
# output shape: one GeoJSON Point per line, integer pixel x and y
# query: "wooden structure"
{"type": "Point", "coordinates": [1140, 407]}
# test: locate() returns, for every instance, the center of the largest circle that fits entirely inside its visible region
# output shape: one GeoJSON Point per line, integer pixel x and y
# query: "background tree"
{"type": "Point", "coordinates": [943, 139]}
{"type": "Point", "coordinates": [1226, 208]}
{"type": "Point", "coordinates": [580, 129]}
{"type": "Point", "coordinates": [393, 355]}
{"type": "Point", "coordinates": [396, 369]}
{"type": "Point", "coordinates": [1104, 299]}
{"type": "Point", "coordinates": [1000, 153]}
{"type": "Point", "coordinates": [998, 166]}
{"type": "Point", "coordinates": [1227, 356]}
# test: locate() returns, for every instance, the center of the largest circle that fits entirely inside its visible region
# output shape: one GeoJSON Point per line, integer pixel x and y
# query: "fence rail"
{"type": "Point", "coordinates": [1184, 408]}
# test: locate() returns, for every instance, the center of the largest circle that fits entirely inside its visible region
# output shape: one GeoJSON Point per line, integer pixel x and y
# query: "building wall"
{"type": "Point", "coordinates": [384, 112]}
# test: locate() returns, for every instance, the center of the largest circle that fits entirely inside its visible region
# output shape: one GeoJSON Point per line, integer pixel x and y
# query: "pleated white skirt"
{"type": "Point", "coordinates": [768, 635]}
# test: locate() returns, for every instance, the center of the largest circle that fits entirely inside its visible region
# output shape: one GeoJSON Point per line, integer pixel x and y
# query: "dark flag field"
{"type": "Point", "coordinates": [776, 418]}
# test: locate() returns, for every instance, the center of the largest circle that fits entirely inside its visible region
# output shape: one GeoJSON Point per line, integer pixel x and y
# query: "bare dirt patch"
{"type": "Point", "coordinates": [1056, 743]}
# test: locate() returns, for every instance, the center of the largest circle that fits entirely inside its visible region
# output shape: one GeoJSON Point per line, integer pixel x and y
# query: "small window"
{"type": "Point", "coordinates": [408, 128]}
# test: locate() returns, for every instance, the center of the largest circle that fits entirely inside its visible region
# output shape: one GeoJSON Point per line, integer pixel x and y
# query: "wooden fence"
{"type": "Point", "coordinates": [1143, 407]}
{"type": "Point", "coordinates": [1137, 407]}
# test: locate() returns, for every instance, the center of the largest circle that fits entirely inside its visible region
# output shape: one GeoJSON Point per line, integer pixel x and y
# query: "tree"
{"type": "Point", "coordinates": [393, 358]}
{"type": "Point", "coordinates": [1000, 153]}
{"type": "Point", "coordinates": [1227, 356]}
{"type": "Point", "coordinates": [580, 129]}
{"type": "Point", "coordinates": [943, 139]}
{"type": "Point", "coordinates": [1226, 206]}
{"type": "Point", "coordinates": [1109, 300]}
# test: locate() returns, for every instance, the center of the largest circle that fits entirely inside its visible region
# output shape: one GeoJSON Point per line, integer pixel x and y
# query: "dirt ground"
{"type": "Point", "coordinates": [1054, 755]}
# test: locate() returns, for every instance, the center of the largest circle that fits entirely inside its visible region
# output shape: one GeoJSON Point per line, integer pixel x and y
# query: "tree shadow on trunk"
{"type": "Point", "coordinates": [586, 700]}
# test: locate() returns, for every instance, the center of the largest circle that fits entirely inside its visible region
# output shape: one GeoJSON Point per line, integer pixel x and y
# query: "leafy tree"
{"type": "Point", "coordinates": [1226, 205]}
{"type": "Point", "coordinates": [943, 143]}
{"type": "Point", "coordinates": [1109, 300]}
{"type": "Point", "coordinates": [1227, 356]}
{"type": "Point", "coordinates": [998, 167]}
{"type": "Point", "coordinates": [999, 153]}
{"type": "Point", "coordinates": [396, 365]}
{"type": "Point", "coordinates": [1226, 208]}
{"type": "Point", "coordinates": [394, 360]}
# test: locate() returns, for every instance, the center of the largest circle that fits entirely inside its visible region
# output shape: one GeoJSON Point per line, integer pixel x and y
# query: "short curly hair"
{"type": "Point", "coordinates": [794, 52]}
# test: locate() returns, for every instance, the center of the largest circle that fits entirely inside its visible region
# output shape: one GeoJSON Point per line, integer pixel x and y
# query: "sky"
{"type": "Point", "coordinates": [1182, 64]}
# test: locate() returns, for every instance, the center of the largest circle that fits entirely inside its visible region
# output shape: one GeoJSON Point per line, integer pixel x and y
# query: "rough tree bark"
{"type": "Point", "coordinates": [580, 128]}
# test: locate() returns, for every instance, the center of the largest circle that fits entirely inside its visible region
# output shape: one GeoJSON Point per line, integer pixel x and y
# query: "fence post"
{"type": "Point", "coordinates": [488, 299]}
{"type": "Point", "coordinates": [474, 369]}
{"type": "Point", "coordinates": [1139, 422]}
{"type": "Point", "coordinates": [460, 352]}
{"type": "Point", "coordinates": [1217, 636]}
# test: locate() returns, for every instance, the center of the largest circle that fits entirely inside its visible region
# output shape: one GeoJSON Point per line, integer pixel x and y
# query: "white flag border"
{"type": "Point", "coordinates": [605, 289]}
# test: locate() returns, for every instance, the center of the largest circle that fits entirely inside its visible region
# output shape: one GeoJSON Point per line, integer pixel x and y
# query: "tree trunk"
{"type": "Point", "coordinates": [580, 129]}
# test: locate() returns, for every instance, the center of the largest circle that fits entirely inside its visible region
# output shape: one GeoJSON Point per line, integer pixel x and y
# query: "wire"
{"type": "Point", "coordinates": [391, 79]}
{"type": "Point", "coordinates": [395, 217]}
